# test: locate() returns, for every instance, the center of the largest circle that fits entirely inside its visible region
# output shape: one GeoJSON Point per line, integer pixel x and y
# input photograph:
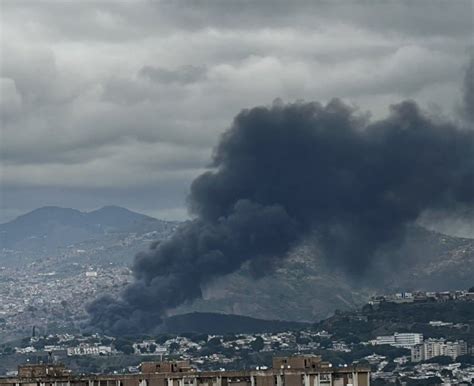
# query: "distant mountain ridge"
{"type": "Point", "coordinates": [301, 287]}
{"type": "Point", "coordinates": [51, 227]}
{"type": "Point", "coordinates": [217, 323]}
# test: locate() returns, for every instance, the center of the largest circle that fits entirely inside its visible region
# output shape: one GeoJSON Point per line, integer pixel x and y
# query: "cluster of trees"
{"type": "Point", "coordinates": [6, 349]}
{"type": "Point", "coordinates": [450, 311]}
{"type": "Point", "coordinates": [124, 345]}
{"type": "Point", "coordinates": [387, 318]}
{"type": "Point", "coordinates": [465, 360]}
{"type": "Point", "coordinates": [346, 327]}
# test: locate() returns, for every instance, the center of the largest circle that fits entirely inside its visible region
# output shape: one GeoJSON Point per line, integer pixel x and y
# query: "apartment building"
{"type": "Point", "coordinates": [291, 371]}
{"type": "Point", "coordinates": [431, 348]}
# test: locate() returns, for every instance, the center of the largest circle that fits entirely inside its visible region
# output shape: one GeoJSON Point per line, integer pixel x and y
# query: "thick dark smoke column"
{"type": "Point", "coordinates": [468, 92]}
{"type": "Point", "coordinates": [282, 172]}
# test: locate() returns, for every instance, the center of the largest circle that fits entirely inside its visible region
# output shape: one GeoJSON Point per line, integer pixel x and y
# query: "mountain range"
{"type": "Point", "coordinates": [53, 227]}
{"type": "Point", "coordinates": [302, 288]}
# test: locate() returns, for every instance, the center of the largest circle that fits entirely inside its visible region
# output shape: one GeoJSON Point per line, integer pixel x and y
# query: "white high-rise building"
{"type": "Point", "coordinates": [431, 348]}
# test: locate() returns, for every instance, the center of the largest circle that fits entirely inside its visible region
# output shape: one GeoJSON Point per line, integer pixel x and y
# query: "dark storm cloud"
{"type": "Point", "coordinates": [283, 172]}
{"type": "Point", "coordinates": [119, 21]}
{"type": "Point", "coordinates": [75, 107]}
{"type": "Point", "coordinates": [404, 17]}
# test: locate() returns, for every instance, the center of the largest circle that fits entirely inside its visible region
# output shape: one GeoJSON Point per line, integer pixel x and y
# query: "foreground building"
{"type": "Point", "coordinates": [286, 371]}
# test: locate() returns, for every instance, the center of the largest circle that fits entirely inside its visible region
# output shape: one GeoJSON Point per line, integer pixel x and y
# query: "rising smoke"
{"type": "Point", "coordinates": [282, 172]}
{"type": "Point", "coordinates": [468, 93]}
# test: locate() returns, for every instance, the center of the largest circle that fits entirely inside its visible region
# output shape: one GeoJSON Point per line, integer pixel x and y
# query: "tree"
{"type": "Point", "coordinates": [442, 360]}
{"type": "Point", "coordinates": [39, 345]}
{"type": "Point", "coordinates": [52, 340]}
{"type": "Point", "coordinates": [446, 373]}
{"type": "Point", "coordinates": [160, 339]}
{"type": "Point", "coordinates": [424, 382]}
{"type": "Point", "coordinates": [174, 346]}
{"type": "Point", "coordinates": [214, 342]}
{"type": "Point", "coordinates": [465, 359]}
{"type": "Point", "coordinates": [257, 344]}
{"type": "Point", "coordinates": [124, 346]}
{"type": "Point", "coordinates": [351, 338]}
{"type": "Point", "coordinates": [390, 367]}
{"type": "Point", "coordinates": [127, 349]}
{"type": "Point", "coordinates": [229, 338]}
{"type": "Point", "coordinates": [106, 341]}
{"type": "Point", "coordinates": [301, 340]}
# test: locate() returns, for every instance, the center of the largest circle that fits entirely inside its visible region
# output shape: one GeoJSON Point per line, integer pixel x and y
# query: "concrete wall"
{"type": "Point", "coordinates": [293, 380]}
{"type": "Point", "coordinates": [265, 380]}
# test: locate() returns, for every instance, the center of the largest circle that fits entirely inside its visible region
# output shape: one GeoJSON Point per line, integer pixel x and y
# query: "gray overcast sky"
{"type": "Point", "coordinates": [120, 102]}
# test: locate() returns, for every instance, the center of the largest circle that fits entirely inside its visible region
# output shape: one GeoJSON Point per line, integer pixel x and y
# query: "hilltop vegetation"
{"type": "Point", "coordinates": [389, 318]}
{"type": "Point", "coordinates": [212, 323]}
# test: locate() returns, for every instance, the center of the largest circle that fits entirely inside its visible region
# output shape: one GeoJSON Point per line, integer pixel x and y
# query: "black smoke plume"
{"type": "Point", "coordinates": [282, 172]}
{"type": "Point", "coordinates": [468, 92]}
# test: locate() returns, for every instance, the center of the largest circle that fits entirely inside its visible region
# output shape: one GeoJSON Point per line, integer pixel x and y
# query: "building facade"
{"type": "Point", "coordinates": [292, 371]}
{"type": "Point", "coordinates": [405, 340]}
{"type": "Point", "coordinates": [431, 348]}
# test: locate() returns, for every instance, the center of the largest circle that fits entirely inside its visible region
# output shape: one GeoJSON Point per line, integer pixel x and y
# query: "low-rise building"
{"type": "Point", "coordinates": [405, 340]}
{"type": "Point", "coordinates": [85, 349]}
